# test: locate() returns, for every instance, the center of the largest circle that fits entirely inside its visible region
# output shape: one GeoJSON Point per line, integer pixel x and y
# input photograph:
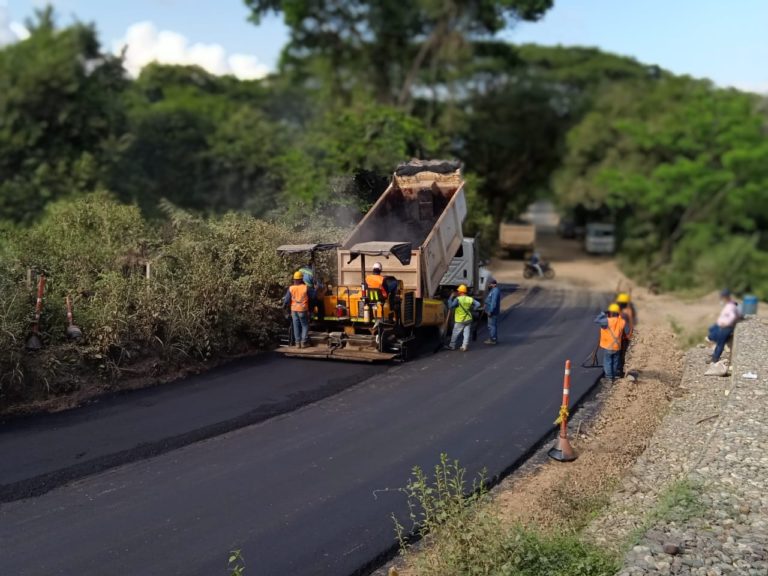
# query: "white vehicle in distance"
{"type": "Point", "coordinates": [600, 238]}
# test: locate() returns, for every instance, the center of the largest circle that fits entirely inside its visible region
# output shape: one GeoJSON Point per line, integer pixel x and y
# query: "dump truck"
{"type": "Point", "coordinates": [517, 237]}
{"type": "Point", "coordinates": [415, 231]}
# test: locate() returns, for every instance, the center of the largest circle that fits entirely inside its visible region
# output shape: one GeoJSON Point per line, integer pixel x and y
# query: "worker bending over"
{"type": "Point", "coordinates": [613, 328]}
{"type": "Point", "coordinates": [463, 306]}
{"type": "Point", "coordinates": [298, 298]}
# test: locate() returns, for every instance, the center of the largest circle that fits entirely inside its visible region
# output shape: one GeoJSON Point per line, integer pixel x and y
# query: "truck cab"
{"type": "Point", "coordinates": [466, 268]}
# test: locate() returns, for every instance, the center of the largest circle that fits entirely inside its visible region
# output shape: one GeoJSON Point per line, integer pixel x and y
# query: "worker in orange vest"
{"type": "Point", "coordinates": [628, 313]}
{"type": "Point", "coordinates": [375, 281]}
{"type": "Point", "coordinates": [298, 297]}
{"type": "Point", "coordinates": [613, 329]}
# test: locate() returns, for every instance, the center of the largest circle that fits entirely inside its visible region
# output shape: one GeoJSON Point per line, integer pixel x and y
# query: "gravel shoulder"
{"type": "Point", "coordinates": [695, 502]}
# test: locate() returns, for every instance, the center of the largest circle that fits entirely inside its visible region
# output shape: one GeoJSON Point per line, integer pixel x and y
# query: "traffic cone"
{"type": "Point", "coordinates": [562, 451]}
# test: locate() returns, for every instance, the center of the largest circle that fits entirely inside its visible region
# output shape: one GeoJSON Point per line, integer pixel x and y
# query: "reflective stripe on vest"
{"type": "Point", "coordinates": [299, 298]}
{"type": "Point", "coordinates": [376, 283]}
{"type": "Point", "coordinates": [464, 309]}
{"type": "Point", "coordinates": [610, 337]}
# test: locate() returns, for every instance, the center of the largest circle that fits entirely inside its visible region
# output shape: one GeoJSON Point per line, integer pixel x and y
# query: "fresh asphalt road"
{"type": "Point", "coordinates": [306, 492]}
{"type": "Point", "coordinates": [41, 452]}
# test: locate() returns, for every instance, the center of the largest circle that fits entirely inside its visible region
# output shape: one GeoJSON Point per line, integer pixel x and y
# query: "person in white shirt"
{"type": "Point", "coordinates": [721, 332]}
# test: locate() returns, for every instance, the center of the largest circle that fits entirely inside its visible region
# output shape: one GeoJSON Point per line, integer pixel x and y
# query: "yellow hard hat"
{"type": "Point", "coordinates": [623, 298]}
{"type": "Point", "coordinates": [298, 275]}
{"type": "Point", "coordinates": [614, 308]}
{"type": "Point", "coordinates": [463, 289]}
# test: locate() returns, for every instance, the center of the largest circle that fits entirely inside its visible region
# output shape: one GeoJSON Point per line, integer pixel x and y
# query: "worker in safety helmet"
{"type": "Point", "coordinates": [613, 328]}
{"type": "Point", "coordinates": [298, 297]}
{"type": "Point", "coordinates": [464, 307]}
{"type": "Point", "coordinates": [316, 290]}
{"type": "Point", "coordinates": [628, 313]}
{"type": "Point", "coordinates": [624, 300]}
{"type": "Point", "coordinates": [375, 280]}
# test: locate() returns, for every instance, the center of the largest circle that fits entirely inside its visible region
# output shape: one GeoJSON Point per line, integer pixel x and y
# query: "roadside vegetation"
{"type": "Point", "coordinates": [213, 289]}
{"type": "Point", "coordinates": [461, 534]}
{"type": "Point", "coordinates": [202, 176]}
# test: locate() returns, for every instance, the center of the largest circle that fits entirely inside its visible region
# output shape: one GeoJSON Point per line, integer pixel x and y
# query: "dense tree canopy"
{"type": "Point", "coordinates": [682, 166]}
{"type": "Point", "coordinates": [678, 164]}
{"type": "Point", "coordinates": [385, 46]}
{"type": "Point", "coordinates": [60, 116]}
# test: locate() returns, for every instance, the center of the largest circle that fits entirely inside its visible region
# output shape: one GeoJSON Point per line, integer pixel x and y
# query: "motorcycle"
{"type": "Point", "coordinates": [530, 270]}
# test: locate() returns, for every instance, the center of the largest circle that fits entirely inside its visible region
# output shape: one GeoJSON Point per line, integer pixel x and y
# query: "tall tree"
{"type": "Point", "coordinates": [385, 45]}
{"type": "Point", "coordinates": [201, 141]}
{"type": "Point", "coordinates": [60, 115]}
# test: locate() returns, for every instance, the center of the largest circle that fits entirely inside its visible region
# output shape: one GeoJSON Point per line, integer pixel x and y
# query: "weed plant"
{"type": "Point", "coordinates": [462, 535]}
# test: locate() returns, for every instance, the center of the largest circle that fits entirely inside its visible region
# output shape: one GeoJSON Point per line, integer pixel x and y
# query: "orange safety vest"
{"type": "Point", "coordinates": [299, 297]}
{"type": "Point", "coordinates": [610, 337]}
{"type": "Point", "coordinates": [376, 282]}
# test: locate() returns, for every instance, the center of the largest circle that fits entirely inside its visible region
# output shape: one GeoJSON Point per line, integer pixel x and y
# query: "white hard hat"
{"type": "Point", "coordinates": [377, 266]}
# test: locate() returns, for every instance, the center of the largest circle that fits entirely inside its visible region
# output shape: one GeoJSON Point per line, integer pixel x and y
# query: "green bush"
{"type": "Point", "coordinates": [464, 536]}
{"type": "Point", "coordinates": [214, 288]}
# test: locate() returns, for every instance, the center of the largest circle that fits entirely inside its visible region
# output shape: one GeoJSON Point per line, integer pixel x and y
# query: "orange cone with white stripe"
{"type": "Point", "coordinates": [562, 451]}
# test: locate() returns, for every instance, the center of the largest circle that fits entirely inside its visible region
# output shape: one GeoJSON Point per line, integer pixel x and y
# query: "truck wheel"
{"type": "Point", "coordinates": [549, 274]}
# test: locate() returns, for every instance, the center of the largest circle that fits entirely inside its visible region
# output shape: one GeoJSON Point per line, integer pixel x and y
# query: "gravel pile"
{"type": "Point", "coordinates": [696, 500]}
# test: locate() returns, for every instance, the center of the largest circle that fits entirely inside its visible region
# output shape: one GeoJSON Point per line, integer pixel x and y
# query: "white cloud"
{"type": "Point", "coordinates": [144, 43]}
{"type": "Point", "coordinates": [19, 30]}
{"type": "Point", "coordinates": [756, 87]}
{"type": "Point", "coordinates": [10, 31]}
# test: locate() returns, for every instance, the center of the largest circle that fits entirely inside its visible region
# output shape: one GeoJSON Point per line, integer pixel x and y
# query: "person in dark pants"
{"type": "Point", "coordinates": [722, 330]}
{"type": "Point", "coordinates": [463, 307]}
{"type": "Point", "coordinates": [492, 310]}
{"type": "Point", "coordinates": [297, 298]}
{"type": "Point", "coordinates": [613, 328]}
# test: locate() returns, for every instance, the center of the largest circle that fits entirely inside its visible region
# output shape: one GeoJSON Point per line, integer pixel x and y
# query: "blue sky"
{"type": "Point", "coordinates": [724, 41]}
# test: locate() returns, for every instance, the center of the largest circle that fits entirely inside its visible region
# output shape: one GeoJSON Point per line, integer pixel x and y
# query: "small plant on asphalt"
{"type": "Point", "coordinates": [462, 535]}
{"type": "Point", "coordinates": [236, 564]}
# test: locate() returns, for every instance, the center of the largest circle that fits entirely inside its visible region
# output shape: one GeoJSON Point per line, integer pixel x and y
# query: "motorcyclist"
{"type": "Point", "coordinates": [536, 263]}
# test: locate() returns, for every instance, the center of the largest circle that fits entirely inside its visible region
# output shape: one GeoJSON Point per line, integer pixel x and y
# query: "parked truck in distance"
{"type": "Point", "coordinates": [517, 238]}
{"type": "Point", "coordinates": [600, 238]}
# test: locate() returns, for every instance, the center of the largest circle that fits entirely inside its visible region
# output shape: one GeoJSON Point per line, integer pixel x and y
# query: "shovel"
{"type": "Point", "coordinates": [73, 332]}
{"type": "Point", "coordinates": [34, 342]}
